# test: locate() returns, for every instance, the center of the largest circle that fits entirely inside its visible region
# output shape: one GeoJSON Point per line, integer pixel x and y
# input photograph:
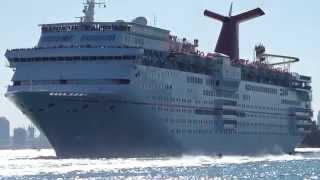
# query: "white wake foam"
{"type": "Point", "coordinates": [33, 162]}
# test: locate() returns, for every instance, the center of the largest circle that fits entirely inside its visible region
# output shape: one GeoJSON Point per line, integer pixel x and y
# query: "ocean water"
{"type": "Point", "coordinates": [42, 164]}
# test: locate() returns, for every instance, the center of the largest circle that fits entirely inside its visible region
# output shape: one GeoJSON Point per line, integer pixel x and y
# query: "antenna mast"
{"type": "Point", "coordinates": [231, 9]}
{"type": "Point", "coordinates": [88, 10]}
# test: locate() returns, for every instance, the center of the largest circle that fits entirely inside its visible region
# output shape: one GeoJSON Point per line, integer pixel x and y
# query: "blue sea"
{"type": "Point", "coordinates": [42, 164]}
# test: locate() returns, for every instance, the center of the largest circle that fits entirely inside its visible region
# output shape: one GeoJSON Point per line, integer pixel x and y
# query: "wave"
{"type": "Point", "coordinates": [32, 162]}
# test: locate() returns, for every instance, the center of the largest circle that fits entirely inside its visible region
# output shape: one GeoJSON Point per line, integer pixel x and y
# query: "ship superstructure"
{"type": "Point", "coordinates": [126, 89]}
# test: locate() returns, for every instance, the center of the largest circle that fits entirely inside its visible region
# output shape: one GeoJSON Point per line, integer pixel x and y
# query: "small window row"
{"type": "Point", "coordinates": [226, 132]}
{"type": "Point", "coordinates": [156, 86]}
{"type": "Point", "coordinates": [261, 89]}
{"type": "Point", "coordinates": [194, 80]}
{"type": "Point", "coordinates": [191, 131]}
{"type": "Point", "coordinates": [171, 109]}
{"type": "Point", "coordinates": [259, 116]}
{"type": "Point", "coordinates": [270, 108]}
{"type": "Point", "coordinates": [262, 125]}
{"type": "Point", "coordinates": [171, 99]}
{"type": "Point", "coordinates": [188, 121]}
{"type": "Point", "coordinates": [208, 93]}
{"type": "Point", "coordinates": [72, 81]}
{"type": "Point", "coordinates": [75, 58]}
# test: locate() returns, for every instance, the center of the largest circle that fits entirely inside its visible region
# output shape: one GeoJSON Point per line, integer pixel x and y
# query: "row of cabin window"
{"type": "Point", "coordinates": [170, 109]}
{"type": "Point", "coordinates": [76, 58]}
{"type": "Point", "coordinates": [263, 133]}
{"type": "Point", "coordinates": [205, 102]}
{"type": "Point", "coordinates": [207, 112]}
{"type": "Point", "coordinates": [261, 89]}
{"type": "Point", "coordinates": [144, 76]}
{"type": "Point", "coordinates": [190, 79]}
{"type": "Point", "coordinates": [284, 92]}
{"type": "Point", "coordinates": [246, 97]}
{"type": "Point", "coordinates": [226, 131]}
{"type": "Point", "coordinates": [210, 82]}
{"type": "Point", "coordinates": [157, 86]}
{"type": "Point", "coordinates": [72, 81]}
{"type": "Point", "coordinates": [248, 106]}
{"type": "Point", "coordinates": [180, 100]}
{"type": "Point", "coordinates": [171, 99]}
{"type": "Point", "coordinates": [189, 121]}
{"type": "Point", "coordinates": [211, 93]}
{"type": "Point", "coordinates": [253, 115]}
{"type": "Point", "coordinates": [155, 75]}
{"type": "Point", "coordinates": [192, 131]}
{"type": "Point", "coordinates": [261, 125]}
{"type": "Point", "coordinates": [227, 94]}
{"type": "Point", "coordinates": [216, 112]}
{"type": "Point", "coordinates": [194, 80]}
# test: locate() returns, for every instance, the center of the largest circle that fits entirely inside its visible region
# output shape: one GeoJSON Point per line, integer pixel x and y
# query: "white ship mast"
{"type": "Point", "coordinates": [88, 10]}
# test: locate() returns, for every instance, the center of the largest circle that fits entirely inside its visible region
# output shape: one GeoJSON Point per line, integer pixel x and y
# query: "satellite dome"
{"type": "Point", "coordinates": [141, 21]}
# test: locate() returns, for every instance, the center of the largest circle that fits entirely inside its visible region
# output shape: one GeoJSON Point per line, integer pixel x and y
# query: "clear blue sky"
{"type": "Point", "coordinates": [289, 28]}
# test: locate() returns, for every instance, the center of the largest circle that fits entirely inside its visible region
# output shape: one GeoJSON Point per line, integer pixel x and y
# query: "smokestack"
{"type": "Point", "coordinates": [228, 42]}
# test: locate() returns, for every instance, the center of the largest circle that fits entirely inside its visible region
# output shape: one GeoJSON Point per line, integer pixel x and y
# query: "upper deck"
{"type": "Point", "coordinates": [109, 34]}
{"type": "Point", "coordinates": [87, 33]}
{"type": "Point", "coordinates": [121, 26]}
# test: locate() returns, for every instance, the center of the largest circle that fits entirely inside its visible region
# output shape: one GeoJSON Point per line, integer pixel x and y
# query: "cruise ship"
{"type": "Point", "coordinates": [127, 89]}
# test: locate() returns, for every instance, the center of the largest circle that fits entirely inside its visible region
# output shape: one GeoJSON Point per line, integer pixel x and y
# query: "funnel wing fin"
{"type": "Point", "coordinates": [249, 15]}
{"type": "Point", "coordinates": [215, 15]}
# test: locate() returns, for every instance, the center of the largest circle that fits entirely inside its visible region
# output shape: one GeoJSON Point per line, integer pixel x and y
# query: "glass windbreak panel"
{"type": "Point", "coordinates": [75, 58]}
{"type": "Point", "coordinates": [72, 82]}
{"type": "Point", "coordinates": [86, 27]}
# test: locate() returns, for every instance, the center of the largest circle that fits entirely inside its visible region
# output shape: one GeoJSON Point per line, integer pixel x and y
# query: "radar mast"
{"type": "Point", "coordinates": [88, 10]}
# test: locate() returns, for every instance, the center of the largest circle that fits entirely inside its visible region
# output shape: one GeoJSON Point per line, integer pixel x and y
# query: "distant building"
{"type": "Point", "coordinates": [19, 138]}
{"type": "Point", "coordinates": [42, 142]}
{"type": "Point", "coordinates": [318, 120]}
{"type": "Point", "coordinates": [4, 131]}
{"type": "Point", "coordinates": [31, 132]}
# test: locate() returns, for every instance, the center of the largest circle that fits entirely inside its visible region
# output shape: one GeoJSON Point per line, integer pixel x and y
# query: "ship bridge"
{"type": "Point", "coordinates": [106, 34]}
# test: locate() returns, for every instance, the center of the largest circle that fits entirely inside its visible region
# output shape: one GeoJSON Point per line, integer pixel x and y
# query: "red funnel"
{"type": "Point", "coordinates": [228, 42]}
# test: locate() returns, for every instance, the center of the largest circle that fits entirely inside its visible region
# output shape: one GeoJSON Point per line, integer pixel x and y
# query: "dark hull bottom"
{"type": "Point", "coordinates": [100, 126]}
{"type": "Point", "coordinates": [312, 139]}
{"type": "Point", "coordinates": [96, 126]}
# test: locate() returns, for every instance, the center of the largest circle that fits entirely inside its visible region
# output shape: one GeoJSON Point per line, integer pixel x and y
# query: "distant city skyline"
{"type": "Point", "coordinates": [21, 138]}
{"type": "Point", "coordinates": [318, 119]}
{"type": "Point", "coordinates": [288, 28]}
